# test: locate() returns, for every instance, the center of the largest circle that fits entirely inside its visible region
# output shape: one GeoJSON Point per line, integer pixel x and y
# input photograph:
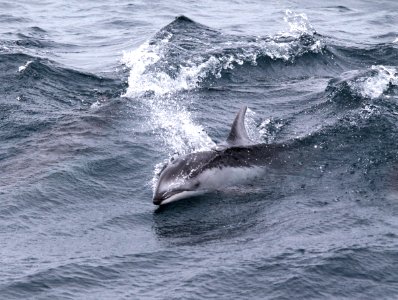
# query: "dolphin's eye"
{"type": "Point", "coordinates": [197, 184]}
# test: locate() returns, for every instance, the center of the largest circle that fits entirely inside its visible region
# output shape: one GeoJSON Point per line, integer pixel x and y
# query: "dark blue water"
{"type": "Point", "coordinates": [95, 97]}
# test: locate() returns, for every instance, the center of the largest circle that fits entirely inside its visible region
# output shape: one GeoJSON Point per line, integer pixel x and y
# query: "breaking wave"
{"type": "Point", "coordinates": [184, 54]}
{"type": "Point", "coordinates": [371, 83]}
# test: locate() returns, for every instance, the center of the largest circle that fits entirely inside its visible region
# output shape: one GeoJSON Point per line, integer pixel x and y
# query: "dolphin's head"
{"type": "Point", "coordinates": [179, 178]}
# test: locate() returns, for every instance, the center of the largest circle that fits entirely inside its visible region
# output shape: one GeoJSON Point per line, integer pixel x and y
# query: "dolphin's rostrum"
{"type": "Point", "coordinates": [232, 162]}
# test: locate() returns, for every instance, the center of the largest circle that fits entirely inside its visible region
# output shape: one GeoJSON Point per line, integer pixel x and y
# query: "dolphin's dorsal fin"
{"type": "Point", "coordinates": [238, 134]}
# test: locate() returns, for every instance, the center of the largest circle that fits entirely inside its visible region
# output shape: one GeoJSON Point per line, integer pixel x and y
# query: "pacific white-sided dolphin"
{"type": "Point", "coordinates": [230, 163]}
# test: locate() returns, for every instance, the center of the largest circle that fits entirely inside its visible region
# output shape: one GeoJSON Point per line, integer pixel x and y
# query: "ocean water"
{"type": "Point", "coordinates": [96, 96]}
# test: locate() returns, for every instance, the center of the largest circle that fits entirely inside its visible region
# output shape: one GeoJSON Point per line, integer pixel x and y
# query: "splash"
{"type": "Point", "coordinates": [378, 83]}
{"type": "Point", "coordinates": [175, 126]}
{"type": "Point", "coordinates": [262, 132]}
{"type": "Point", "coordinates": [252, 127]}
{"type": "Point", "coordinates": [269, 128]}
{"type": "Point", "coordinates": [139, 61]}
{"type": "Point", "coordinates": [159, 82]}
{"type": "Point", "coordinates": [298, 23]}
{"type": "Point", "coordinates": [369, 110]}
{"type": "Point", "coordinates": [357, 85]}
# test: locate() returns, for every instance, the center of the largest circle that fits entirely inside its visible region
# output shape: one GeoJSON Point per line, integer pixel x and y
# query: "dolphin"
{"type": "Point", "coordinates": [235, 161]}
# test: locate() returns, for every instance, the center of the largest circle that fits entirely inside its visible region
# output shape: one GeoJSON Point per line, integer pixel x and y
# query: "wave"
{"type": "Point", "coordinates": [184, 54]}
{"type": "Point", "coordinates": [356, 100]}
{"type": "Point", "coordinates": [29, 78]}
{"type": "Point", "coordinates": [366, 84]}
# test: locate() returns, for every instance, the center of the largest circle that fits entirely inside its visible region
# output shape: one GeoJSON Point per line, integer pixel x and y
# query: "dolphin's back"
{"type": "Point", "coordinates": [257, 155]}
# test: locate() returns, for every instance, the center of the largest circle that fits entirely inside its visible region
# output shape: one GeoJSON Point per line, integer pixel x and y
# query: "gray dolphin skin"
{"type": "Point", "coordinates": [232, 162]}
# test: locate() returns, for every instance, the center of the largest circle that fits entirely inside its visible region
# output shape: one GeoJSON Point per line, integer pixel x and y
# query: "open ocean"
{"type": "Point", "coordinates": [96, 95]}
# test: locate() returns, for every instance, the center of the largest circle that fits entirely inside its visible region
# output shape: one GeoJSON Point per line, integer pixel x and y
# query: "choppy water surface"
{"type": "Point", "coordinates": [95, 97]}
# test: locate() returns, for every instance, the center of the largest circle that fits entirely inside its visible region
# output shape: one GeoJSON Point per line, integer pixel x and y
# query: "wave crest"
{"type": "Point", "coordinates": [184, 54]}
{"type": "Point", "coordinates": [355, 86]}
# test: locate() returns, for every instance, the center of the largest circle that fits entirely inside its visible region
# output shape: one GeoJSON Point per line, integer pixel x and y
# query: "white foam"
{"type": "Point", "coordinates": [369, 110]}
{"type": "Point", "coordinates": [174, 124]}
{"type": "Point", "coordinates": [23, 68]}
{"type": "Point", "coordinates": [376, 84]}
{"type": "Point", "coordinates": [138, 61]}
